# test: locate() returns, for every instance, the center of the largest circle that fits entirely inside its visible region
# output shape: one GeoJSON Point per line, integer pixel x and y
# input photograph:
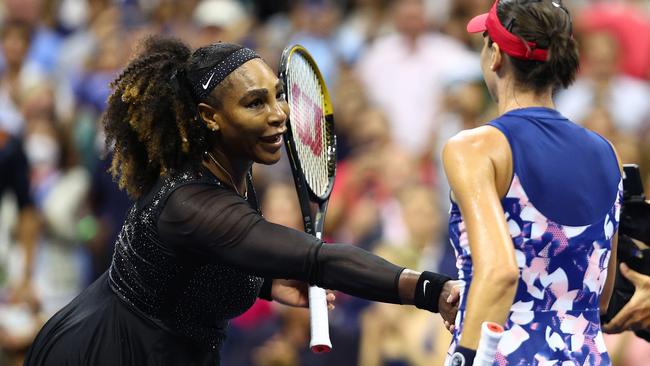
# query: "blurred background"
{"type": "Point", "coordinates": [404, 76]}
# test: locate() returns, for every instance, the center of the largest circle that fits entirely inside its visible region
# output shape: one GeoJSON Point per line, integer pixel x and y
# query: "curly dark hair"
{"type": "Point", "coordinates": [152, 116]}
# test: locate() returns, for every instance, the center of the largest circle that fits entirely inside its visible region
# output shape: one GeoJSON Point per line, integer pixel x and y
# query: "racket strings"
{"type": "Point", "coordinates": [313, 135]}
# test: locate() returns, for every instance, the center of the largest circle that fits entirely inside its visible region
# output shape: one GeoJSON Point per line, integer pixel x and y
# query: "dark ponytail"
{"type": "Point", "coordinates": [548, 24]}
{"type": "Point", "coordinates": [151, 118]}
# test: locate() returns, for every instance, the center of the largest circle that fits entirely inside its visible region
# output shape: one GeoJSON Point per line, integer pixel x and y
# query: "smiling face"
{"type": "Point", "coordinates": [251, 117]}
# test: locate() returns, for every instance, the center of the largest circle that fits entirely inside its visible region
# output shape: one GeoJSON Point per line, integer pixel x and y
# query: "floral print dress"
{"type": "Point", "coordinates": [554, 319]}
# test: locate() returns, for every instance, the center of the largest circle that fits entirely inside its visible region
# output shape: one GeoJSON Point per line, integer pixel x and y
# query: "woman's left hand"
{"type": "Point", "coordinates": [296, 293]}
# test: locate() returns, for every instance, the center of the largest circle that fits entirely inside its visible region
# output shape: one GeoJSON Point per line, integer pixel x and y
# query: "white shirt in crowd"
{"type": "Point", "coordinates": [407, 82]}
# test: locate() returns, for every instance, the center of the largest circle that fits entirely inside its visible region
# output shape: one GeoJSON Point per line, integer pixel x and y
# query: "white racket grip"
{"type": "Point", "coordinates": [487, 346]}
{"type": "Point", "coordinates": [320, 330]}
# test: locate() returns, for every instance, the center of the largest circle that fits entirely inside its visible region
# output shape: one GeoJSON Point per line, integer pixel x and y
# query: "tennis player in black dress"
{"type": "Point", "coordinates": [194, 250]}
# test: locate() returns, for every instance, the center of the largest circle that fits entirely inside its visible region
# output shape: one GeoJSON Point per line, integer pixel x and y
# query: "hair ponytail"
{"type": "Point", "coordinates": [563, 57]}
{"type": "Point", "coordinates": [548, 24]}
{"type": "Point", "coordinates": [151, 117]}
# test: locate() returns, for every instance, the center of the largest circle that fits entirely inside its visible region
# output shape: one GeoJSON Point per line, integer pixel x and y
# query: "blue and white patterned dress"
{"type": "Point", "coordinates": [562, 210]}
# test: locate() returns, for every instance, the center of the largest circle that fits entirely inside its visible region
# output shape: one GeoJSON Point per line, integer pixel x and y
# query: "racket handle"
{"type": "Point", "coordinates": [487, 346]}
{"type": "Point", "coordinates": [320, 332]}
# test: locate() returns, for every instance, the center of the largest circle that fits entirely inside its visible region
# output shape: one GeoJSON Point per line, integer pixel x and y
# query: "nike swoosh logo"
{"type": "Point", "coordinates": [424, 286]}
{"type": "Point", "coordinates": [207, 83]}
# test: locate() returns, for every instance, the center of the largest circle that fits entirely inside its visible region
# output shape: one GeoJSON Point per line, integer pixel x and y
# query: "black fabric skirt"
{"type": "Point", "coordinates": [97, 328]}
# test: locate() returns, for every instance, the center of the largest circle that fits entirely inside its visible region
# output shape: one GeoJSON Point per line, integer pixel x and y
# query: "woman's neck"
{"type": "Point", "coordinates": [227, 170]}
{"type": "Point", "coordinates": [514, 98]}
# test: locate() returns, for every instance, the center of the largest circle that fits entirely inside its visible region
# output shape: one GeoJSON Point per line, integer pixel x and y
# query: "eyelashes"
{"type": "Point", "coordinates": [258, 102]}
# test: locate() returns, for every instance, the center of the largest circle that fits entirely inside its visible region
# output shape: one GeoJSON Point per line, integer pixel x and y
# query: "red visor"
{"type": "Point", "coordinates": [508, 42]}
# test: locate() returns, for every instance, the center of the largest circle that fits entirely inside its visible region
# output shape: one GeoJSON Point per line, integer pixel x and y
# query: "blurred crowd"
{"type": "Point", "coordinates": [404, 76]}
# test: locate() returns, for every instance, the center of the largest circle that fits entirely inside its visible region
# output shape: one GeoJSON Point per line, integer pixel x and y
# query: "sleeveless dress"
{"type": "Point", "coordinates": [562, 210]}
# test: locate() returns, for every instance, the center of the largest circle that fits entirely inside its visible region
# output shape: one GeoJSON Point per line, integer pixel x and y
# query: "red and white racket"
{"type": "Point", "coordinates": [311, 145]}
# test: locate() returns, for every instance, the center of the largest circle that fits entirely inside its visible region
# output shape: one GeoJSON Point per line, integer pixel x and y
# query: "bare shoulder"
{"type": "Point", "coordinates": [483, 140]}
{"type": "Point", "coordinates": [482, 151]}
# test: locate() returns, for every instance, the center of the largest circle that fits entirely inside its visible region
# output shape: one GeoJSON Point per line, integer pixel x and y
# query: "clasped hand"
{"type": "Point", "coordinates": [449, 301]}
{"type": "Point", "coordinates": [296, 293]}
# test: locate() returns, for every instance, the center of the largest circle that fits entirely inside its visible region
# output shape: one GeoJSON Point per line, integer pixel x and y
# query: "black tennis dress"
{"type": "Point", "coordinates": [191, 255]}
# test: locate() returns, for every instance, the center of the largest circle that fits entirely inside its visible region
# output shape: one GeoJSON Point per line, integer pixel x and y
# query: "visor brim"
{"type": "Point", "coordinates": [477, 24]}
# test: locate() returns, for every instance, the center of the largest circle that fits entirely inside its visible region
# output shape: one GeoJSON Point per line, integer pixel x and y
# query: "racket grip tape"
{"type": "Point", "coordinates": [487, 348]}
{"type": "Point", "coordinates": [320, 333]}
{"type": "Point", "coordinates": [491, 333]}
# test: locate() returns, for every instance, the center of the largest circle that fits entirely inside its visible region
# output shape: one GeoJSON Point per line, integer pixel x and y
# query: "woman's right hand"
{"type": "Point", "coordinates": [296, 293]}
{"type": "Point", "coordinates": [449, 301]}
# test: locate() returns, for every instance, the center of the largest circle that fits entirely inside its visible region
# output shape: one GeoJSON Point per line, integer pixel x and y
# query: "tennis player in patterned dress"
{"type": "Point", "coordinates": [536, 201]}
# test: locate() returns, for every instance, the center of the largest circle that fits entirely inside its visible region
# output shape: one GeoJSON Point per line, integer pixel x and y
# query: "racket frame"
{"type": "Point", "coordinates": [312, 206]}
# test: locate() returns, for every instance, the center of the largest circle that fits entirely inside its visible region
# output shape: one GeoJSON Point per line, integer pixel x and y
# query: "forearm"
{"type": "Point", "coordinates": [357, 272]}
{"type": "Point", "coordinates": [490, 298]}
{"type": "Point", "coordinates": [363, 274]}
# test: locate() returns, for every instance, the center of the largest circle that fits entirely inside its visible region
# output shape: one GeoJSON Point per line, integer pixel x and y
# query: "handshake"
{"type": "Point", "coordinates": [629, 307]}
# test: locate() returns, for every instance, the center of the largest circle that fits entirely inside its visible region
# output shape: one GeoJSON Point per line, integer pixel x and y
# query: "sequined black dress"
{"type": "Point", "coordinates": [191, 255]}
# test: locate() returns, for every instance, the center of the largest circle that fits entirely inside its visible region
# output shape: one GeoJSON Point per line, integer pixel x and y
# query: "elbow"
{"type": "Point", "coordinates": [503, 278]}
{"type": "Point", "coordinates": [509, 278]}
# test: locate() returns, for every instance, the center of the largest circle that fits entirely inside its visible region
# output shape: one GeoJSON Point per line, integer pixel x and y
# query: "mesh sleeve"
{"type": "Point", "coordinates": [215, 223]}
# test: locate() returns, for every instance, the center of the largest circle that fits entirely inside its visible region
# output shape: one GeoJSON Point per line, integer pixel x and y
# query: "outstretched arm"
{"type": "Point", "coordinates": [217, 225]}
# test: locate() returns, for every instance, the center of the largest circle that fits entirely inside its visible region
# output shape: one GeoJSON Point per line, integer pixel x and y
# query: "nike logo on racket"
{"type": "Point", "coordinates": [424, 286]}
{"type": "Point", "coordinates": [207, 83]}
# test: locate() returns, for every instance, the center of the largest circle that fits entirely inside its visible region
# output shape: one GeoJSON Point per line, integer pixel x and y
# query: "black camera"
{"type": "Point", "coordinates": [634, 227]}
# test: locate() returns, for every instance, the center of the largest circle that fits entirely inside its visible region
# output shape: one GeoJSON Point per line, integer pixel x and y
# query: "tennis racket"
{"type": "Point", "coordinates": [311, 145]}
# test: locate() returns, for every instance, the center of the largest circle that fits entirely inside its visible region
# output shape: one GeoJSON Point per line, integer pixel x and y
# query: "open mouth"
{"type": "Point", "coordinates": [272, 139]}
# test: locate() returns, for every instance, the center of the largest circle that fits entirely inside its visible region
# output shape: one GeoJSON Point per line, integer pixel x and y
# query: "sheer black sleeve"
{"type": "Point", "coordinates": [215, 223]}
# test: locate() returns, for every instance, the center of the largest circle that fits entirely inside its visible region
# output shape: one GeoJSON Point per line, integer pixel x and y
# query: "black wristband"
{"type": "Point", "coordinates": [265, 291]}
{"type": "Point", "coordinates": [428, 289]}
{"type": "Point", "coordinates": [462, 357]}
